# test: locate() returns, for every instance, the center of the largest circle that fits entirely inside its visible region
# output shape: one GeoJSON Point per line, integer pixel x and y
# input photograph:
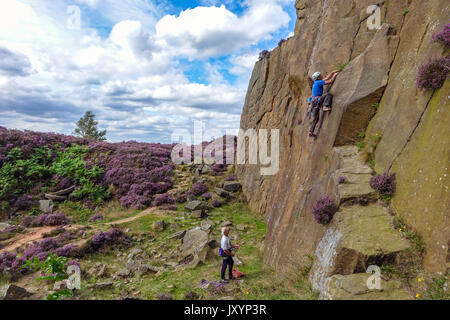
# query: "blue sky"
{"type": "Point", "coordinates": [145, 68]}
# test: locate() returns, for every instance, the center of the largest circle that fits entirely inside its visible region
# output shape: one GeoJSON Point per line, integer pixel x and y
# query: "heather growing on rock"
{"type": "Point", "coordinates": [207, 196]}
{"type": "Point", "coordinates": [52, 219]}
{"type": "Point", "coordinates": [199, 188]}
{"type": "Point", "coordinates": [163, 199]}
{"type": "Point", "coordinates": [342, 180]}
{"type": "Point", "coordinates": [111, 237]}
{"type": "Point", "coordinates": [96, 217]}
{"type": "Point", "coordinates": [384, 184]}
{"type": "Point", "coordinates": [217, 203]}
{"type": "Point", "coordinates": [264, 54]}
{"type": "Point", "coordinates": [324, 209]}
{"type": "Point", "coordinates": [231, 177]}
{"type": "Point", "coordinates": [433, 74]}
{"type": "Point", "coordinates": [443, 36]}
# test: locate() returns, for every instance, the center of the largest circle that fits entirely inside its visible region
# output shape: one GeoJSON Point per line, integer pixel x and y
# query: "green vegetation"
{"type": "Point", "coordinates": [54, 269]}
{"type": "Point", "coordinates": [342, 66]}
{"type": "Point", "coordinates": [260, 282]}
{"type": "Point", "coordinates": [87, 128]}
{"type": "Point", "coordinates": [70, 164]}
{"type": "Point", "coordinates": [437, 290]}
{"type": "Point", "coordinates": [409, 233]}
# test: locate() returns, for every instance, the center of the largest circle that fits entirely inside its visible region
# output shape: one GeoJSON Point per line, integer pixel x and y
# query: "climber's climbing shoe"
{"type": "Point", "coordinates": [312, 135]}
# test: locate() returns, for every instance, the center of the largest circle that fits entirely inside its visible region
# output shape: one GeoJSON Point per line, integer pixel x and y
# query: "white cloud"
{"type": "Point", "coordinates": [203, 32]}
{"type": "Point", "coordinates": [130, 78]}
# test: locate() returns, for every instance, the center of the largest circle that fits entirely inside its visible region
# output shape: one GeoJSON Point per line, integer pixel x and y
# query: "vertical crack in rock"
{"type": "Point", "coordinates": [413, 131]}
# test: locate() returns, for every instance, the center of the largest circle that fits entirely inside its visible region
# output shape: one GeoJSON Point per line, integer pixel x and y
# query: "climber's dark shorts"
{"type": "Point", "coordinates": [316, 104]}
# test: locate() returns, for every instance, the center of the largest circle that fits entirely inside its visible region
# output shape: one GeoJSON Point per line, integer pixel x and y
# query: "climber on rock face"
{"type": "Point", "coordinates": [317, 100]}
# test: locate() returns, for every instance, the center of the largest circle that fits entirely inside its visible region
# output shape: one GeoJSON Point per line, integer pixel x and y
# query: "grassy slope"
{"type": "Point", "coordinates": [259, 283]}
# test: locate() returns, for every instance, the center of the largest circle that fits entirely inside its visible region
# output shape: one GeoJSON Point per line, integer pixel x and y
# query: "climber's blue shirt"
{"type": "Point", "coordinates": [317, 89]}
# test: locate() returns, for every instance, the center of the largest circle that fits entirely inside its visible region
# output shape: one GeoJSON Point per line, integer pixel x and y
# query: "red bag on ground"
{"type": "Point", "coordinates": [237, 274]}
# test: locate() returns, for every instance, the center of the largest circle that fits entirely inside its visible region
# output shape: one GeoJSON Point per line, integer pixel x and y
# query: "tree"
{"type": "Point", "coordinates": [87, 128]}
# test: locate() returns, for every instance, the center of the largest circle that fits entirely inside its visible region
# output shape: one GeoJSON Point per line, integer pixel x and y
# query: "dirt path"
{"type": "Point", "coordinates": [21, 239]}
{"type": "Point", "coordinates": [140, 215]}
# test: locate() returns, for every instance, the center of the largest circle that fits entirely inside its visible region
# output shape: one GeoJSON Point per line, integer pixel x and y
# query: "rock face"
{"type": "Point", "coordinates": [375, 94]}
{"type": "Point", "coordinates": [13, 292]}
{"type": "Point", "coordinates": [356, 238]}
{"type": "Point", "coordinates": [46, 206]}
{"type": "Point", "coordinates": [354, 287]}
{"type": "Point", "coordinates": [194, 241]}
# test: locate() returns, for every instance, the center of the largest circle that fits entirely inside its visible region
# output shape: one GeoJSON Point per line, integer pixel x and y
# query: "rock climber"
{"type": "Point", "coordinates": [227, 254]}
{"type": "Point", "coordinates": [317, 100]}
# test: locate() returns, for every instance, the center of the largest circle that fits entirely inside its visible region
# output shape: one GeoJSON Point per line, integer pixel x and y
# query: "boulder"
{"type": "Point", "coordinates": [124, 273]}
{"type": "Point", "coordinates": [196, 205]}
{"type": "Point", "coordinates": [206, 169]}
{"type": "Point", "coordinates": [232, 186]}
{"type": "Point", "coordinates": [103, 285]}
{"type": "Point", "coordinates": [13, 292]}
{"type": "Point", "coordinates": [222, 193]}
{"type": "Point", "coordinates": [227, 224]}
{"type": "Point", "coordinates": [198, 214]}
{"type": "Point", "coordinates": [205, 226]}
{"type": "Point", "coordinates": [178, 234]}
{"type": "Point", "coordinates": [158, 226]}
{"type": "Point", "coordinates": [193, 242]}
{"type": "Point", "coordinates": [354, 287]}
{"type": "Point", "coordinates": [46, 206]}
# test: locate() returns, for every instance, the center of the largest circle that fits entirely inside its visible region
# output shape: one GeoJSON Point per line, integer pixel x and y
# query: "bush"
{"type": "Point", "coordinates": [206, 196]}
{"type": "Point", "coordinates": [444, 36]}
{"type": "Point", "coordinates": [342, 180]}
{"type": "Point", "coordinates": [433, 74]}
{"type": "Point", "coordinates": [111, 237]}
{"type": "Point", "coordinates": [181, 197]}
{"type": "Point", "coordinates": [199, 188]}
{"type": "Point", "coordinates": [96, 217]}
{"type": "Point", "coordinates": [217, 203]}
{"type": "Point", "coordinates": [231, 177]}
{"type": "Point", "coordinates": [281, 42]}
{"type": "Point", "coordinates": [264, 54]}
{"type": "Point", "coordinates": [324, 209]}
{"type": "Point", "coordinates": [164, 296]}
{"type": "Point", "coordinates": [31, 162]}
{"type": "Point", "coordinates": [163, 199]}
{"type": "Point", "coordinates": [384, 184]}
{"type": "Point", "coordinates": [51, 219]}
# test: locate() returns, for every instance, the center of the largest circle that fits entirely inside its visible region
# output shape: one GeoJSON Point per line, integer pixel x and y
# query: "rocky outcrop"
{"type": "Point", "coordinates": [376, 95]}
{"type": "Point", "coordinates": [354, 287]}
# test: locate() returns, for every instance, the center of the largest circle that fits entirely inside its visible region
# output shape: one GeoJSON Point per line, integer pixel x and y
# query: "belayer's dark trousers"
{"type": "Point", "coordinates": [227, 262]}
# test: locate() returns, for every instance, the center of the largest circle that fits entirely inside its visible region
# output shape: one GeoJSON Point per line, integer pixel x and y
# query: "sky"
{"type": "Point", "coordinates": [145, 68]}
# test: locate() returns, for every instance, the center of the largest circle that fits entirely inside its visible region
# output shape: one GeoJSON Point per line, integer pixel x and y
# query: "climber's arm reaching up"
{"type": "Point", "coordinates": [331, 77]}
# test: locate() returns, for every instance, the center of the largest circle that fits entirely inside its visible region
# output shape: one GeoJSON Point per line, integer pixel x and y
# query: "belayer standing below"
{"type": "Point", "coordinates": [226, 252]}
{"type": "Point", "coordinates": [316, 98]}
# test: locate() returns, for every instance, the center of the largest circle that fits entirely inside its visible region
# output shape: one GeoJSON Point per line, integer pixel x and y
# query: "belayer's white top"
{"type": "Point", "coordinates": [225, 243]}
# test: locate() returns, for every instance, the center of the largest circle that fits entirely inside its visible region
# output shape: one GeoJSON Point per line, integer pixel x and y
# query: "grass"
{"type": "Point", "coordinates": [410, 234]}
{"type": "Point", "coordinates": [435, 289]}
{"type": "Point", "coordinates": [76, 211]}
{"type": "Point", "coordinates": [260, 282]}
{"type": "Point", "coordinates": [342, 66]}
